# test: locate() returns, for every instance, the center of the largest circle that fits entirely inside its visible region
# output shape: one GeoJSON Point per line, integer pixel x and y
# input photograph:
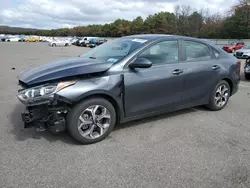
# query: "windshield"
{"type": "Point", "coordinates": [247, 47]}
{"type": "Point", "coordinates": [115, 50]}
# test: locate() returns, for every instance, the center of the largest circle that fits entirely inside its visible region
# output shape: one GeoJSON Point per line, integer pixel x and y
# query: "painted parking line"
{"type": "Point", "coordinates": [242, 85]}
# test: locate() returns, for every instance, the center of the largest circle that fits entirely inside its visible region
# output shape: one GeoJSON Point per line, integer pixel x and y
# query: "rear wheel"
{"type": "Point", "coordinates": [220, 96]}
{"type": "Point", "coordinates": [66, 44]}
{"type": "Point", "coordinates": [91, 121]}
{"type": "Point", "coordinates": [53, 44]}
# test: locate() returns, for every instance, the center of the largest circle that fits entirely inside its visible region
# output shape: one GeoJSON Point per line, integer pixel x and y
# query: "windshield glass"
{"type": "Point", "coordinates": [247, 47]}
{"type": "Point", "coordinates": [115, 50]}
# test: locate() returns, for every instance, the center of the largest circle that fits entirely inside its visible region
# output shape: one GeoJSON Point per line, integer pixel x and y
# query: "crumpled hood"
{"type": "Point", "coordinates": [63, 69]}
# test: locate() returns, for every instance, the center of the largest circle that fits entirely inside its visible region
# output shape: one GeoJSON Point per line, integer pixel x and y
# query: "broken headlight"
{"type": "Point", "coordinates": [43, 90]}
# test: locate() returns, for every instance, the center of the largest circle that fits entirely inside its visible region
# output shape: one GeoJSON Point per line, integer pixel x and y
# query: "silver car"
{"type": "Point", "coordinates": [243, 53]}
{"type": "Point", "coordinates": [60, 43]}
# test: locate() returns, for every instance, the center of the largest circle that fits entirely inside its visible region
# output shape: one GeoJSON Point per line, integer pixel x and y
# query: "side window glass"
{"type": "Point", "coordinates": [197, 51]}
{"type": "Point", "coordinates": [162, 52]}
{"type": "Point", "coordinates": [216, 53]}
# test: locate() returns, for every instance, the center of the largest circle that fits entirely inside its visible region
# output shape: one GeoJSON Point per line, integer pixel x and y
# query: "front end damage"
{"type": "Point", "coordinates": [44, 112]}
{"type": "Point", "coordinates": [45, 117]}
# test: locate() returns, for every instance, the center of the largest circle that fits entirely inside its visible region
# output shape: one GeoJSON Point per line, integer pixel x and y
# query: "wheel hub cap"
{"type": "Point", "coordinates": [94, 121]}
{"type": "Point", "coordinates": [221, 95]}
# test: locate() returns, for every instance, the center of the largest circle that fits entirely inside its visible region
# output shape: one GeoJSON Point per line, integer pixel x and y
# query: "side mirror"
{"type": "Point", "coordinates": [140, 63]}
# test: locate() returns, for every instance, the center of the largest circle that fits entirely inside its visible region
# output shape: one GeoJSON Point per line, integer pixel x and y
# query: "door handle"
{"type": "Point", "coordinates": [215, 67]}
{"type": "Point", "coordinates": [177, 71]}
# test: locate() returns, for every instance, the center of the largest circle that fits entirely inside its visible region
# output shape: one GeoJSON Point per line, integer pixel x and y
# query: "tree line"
{"type": "Point", "coordinates": [183, 21]}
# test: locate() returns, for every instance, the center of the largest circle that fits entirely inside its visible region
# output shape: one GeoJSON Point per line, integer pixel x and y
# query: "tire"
{"type": "Point", "coordinates": [213, 105]}
{"type": "Point", "coordinates": [66, 44]}
{"type": "Point", "coordinates": [247, 76]}
{"type": "Point", "coordinates": [73, 120]}
{"type": "Point", "coordinates": [53, 44]}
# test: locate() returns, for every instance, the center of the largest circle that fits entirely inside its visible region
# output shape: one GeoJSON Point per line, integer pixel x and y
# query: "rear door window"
{"type": "Point", "coordinates": [196, 51]}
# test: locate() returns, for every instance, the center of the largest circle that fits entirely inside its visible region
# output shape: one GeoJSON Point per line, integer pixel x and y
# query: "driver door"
{"type": "Point", "coordinates": [158, 87]}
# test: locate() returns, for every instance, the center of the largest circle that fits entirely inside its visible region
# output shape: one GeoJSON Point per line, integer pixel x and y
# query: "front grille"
{"type": "Point", "coordinates": [239, 53]}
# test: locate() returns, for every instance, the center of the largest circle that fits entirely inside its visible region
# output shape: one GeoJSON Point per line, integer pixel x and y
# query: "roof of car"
{"type": "Point", "coordinates": [159, 36]}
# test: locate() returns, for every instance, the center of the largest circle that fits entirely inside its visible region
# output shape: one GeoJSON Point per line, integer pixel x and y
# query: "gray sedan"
{"type": "Point", "coordinates": [126, 79]}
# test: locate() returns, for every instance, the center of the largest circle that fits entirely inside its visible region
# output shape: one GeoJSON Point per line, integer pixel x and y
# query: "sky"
{"type": "Point", "coordinates": [52, 14]}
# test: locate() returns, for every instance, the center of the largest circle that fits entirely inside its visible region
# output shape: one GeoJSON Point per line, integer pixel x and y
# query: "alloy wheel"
{"type": "Point", "coordinates": [221, 95]}
{"type": "Point", "coordinates": [94, 122]}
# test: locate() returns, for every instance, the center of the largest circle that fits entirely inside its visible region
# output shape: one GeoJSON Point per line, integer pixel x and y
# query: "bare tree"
{"type": "Point", "coordinates": [185, 10]}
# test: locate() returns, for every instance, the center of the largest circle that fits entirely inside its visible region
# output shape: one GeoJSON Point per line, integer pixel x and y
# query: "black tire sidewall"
{"type": "Point", "coordinates": [73, 116]}
{"type": "Point", "coordinates": [212, 104]}
{"type": "Point", "coordinates": [247, 76]}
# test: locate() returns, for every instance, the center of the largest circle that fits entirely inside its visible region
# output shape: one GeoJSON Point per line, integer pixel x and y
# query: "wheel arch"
{"type": "Point", "coordinates": [230, 82]}
{"type": "Point", "coordinates": [100, 94]}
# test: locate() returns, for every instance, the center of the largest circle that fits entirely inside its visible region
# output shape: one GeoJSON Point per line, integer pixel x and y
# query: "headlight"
{"type": "Point", "coordinates": [44, 90]}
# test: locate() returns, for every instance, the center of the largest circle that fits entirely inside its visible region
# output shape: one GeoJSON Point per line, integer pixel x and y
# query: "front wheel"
{"type": "Point", "coordinates": [220, 96]}
{"type": "Point", "coordinates": [91, 121]}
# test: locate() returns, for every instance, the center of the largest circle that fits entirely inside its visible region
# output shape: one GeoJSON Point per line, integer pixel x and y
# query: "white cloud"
{"type": "Point", "coordinates": [69, 13]}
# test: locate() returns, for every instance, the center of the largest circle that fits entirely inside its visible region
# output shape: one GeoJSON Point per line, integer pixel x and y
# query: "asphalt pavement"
{"type": "Point", "coordinates": [192, 148]}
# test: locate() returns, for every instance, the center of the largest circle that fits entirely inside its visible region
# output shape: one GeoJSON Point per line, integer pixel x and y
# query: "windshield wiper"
{"type": "Point", "coordinates": [91, 57]}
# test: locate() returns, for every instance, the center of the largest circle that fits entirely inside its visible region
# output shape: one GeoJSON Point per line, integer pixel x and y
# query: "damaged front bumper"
{"type": "Point", "coordinates": [45, 117]}
{"type": "Point", "coordinates": [44, 107]}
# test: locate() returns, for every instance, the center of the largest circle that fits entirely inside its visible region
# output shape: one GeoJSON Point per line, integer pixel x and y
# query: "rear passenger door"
{"type": "Point", "coordinates": [200, 71]}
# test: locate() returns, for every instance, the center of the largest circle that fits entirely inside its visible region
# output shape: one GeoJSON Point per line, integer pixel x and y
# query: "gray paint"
{"type": "Point", "coordinates": [156, 89]}
{"type": "Point", "coordinates": [144, 92]}
{"type": "Point", "coordinates": [63, 69]}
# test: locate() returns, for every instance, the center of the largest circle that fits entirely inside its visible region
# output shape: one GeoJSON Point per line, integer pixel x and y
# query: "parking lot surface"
{"type": "Point", "coordinates": [189, 148]}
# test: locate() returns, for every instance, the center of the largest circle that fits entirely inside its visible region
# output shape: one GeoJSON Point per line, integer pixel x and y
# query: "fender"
{"type": "Point", "coordinates": [111, 86]}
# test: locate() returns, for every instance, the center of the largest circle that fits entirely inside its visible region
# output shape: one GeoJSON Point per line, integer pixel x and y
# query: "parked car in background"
{"type": "Point", "coordinates": [13, 39]}
{"type": "Point", "coordinates": [77, 42]}
{"type": "Point", "coordinates": [60, 43]}
{"type": "Point", "coordinates": [243, 53]}
{"type": "Point", "coordinates": [231, 48]}
{"type": "Point", "coordinates": [21, 39]}
{"type": "Point", "coordinates": [32, 39]}
{"type": "Point", "coordinates": [247, 69]}
{"type": "Point", "coordinates": [125, 79]}
{"type": "Point", "coordinates": [96, 42]}
{"type": "Point", "coordinates": [85, 41]}
{"type": "Point", "coordinates": [74, 40]}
